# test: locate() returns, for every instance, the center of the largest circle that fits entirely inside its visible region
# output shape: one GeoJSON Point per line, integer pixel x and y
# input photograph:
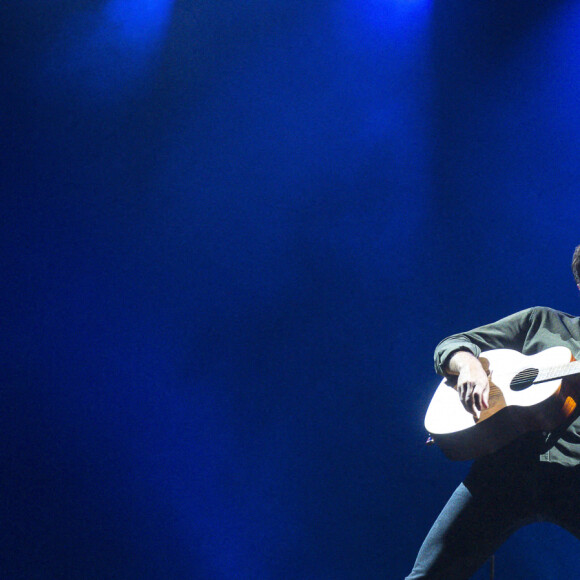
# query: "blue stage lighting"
{"type": "Point", "coordinates": [101, 54]}
{"type": "Point", "coordinates": [141, 21]}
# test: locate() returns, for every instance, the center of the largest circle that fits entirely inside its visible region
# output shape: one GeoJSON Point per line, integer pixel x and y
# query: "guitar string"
{"type": "Point", "coordinates": [550, 373]}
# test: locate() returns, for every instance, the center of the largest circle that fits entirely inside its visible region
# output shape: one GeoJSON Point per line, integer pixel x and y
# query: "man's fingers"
{"type": "Point", "coordinates": [476, 404]}
{"type": "Point", "coordinates": [474, 397]}
{"type": "Point", "coordinates": [466, 395]}
{"type": "Point", "coordinates": [473, 404]}
{"type": "Point", "coordinates": [473, 389]}
{"type": "Point", "coordinates": [485, 399]}
{"type": "Point", "coordinates": [481, 395]}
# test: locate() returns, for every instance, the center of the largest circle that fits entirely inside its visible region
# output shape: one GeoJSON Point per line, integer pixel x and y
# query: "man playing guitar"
{"type": "Point", "coordinates": [533, 478]}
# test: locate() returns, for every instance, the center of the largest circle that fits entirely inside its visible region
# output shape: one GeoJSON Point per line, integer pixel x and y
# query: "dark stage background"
{"type": "Point", "coordinates": [233, 233]}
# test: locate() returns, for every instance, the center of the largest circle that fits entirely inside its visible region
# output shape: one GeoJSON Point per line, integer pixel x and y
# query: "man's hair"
{"type": "Point", "coordinates": [576, 265]}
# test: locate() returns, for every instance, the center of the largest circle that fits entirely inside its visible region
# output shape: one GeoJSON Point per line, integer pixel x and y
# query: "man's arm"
{"type": "Point", "coordinates": [509, 332]}
{"type": "Point", "coordinates": [457, 355]}
{"type": "Point", "coordinates": [472, 381]}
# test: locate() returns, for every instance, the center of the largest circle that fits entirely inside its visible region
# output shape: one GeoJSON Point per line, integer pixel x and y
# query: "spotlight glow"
{"type": "Point", "coordinates": [99, 55]}
{"type": "Point", "coordinates": [139, 21]}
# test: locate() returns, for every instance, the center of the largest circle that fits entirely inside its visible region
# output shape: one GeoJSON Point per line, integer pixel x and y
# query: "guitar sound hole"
{"type": "Point", "coordinates": [524, 379]}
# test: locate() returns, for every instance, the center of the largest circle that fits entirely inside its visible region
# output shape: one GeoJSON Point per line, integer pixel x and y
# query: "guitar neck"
{"type": "Point", "coordinates": [559, 372]}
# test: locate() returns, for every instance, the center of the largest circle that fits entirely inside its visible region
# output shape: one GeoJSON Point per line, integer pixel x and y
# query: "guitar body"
{"type": "Point", "coordinates": [523, 398]}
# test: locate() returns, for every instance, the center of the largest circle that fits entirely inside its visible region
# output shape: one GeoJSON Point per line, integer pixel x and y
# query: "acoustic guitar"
{"type": "Point", "coordinates": [527, 393]}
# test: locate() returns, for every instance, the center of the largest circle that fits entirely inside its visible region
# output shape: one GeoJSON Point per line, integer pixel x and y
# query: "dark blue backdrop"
{"type": "Point", "coordinates": [232, 235]}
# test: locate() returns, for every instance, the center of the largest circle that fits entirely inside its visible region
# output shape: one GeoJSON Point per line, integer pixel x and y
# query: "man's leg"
{"type": "Point", "coordinates": [476, 520]}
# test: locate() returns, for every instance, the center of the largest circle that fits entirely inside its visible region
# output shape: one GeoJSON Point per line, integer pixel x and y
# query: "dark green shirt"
{"type": "Point", "coordinates": [529, 332]}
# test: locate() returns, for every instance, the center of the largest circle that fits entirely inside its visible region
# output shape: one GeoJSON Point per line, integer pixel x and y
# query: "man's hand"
{"type": "Point", "coordinates": [472, 382]}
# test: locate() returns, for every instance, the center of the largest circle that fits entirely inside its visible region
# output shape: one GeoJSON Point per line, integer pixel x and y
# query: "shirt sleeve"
{"type": "Point", "coordinates": [509, 332]}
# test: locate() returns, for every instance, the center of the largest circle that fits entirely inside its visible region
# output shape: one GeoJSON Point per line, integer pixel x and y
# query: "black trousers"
{"type": "Point", "coordinates": [496, 499]}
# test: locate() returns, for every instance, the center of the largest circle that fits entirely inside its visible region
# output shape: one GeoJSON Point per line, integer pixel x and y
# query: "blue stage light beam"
{"type": "Point", "coordinates": [390, 15]}
{"type": "Point", "coordinates": [103, 54]}
{"type": "Point", "coordinates": [142, 23]}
